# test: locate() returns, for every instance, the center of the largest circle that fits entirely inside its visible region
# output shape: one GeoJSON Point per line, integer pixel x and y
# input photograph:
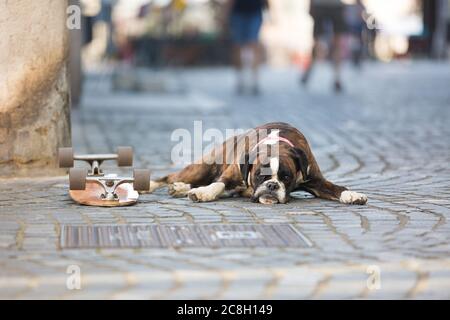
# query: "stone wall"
{"type": "Point", "coordinates": [34, 88]}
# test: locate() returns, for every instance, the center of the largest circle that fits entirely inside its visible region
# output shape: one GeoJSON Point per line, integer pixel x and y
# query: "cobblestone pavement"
{"type": "Point", "coordinates": [387, 136]}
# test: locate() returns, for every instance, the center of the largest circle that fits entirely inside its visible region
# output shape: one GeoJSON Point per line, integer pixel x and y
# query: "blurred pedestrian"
{"type": "Point", "coordinates": [354, 18]}
{"type": "Point", "coordinates": [245, 18]}
{"type": "Point", "coordinates": [328, 16]}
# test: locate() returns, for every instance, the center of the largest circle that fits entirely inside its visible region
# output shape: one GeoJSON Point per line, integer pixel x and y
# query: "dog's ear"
{"type": "Point", "coordinates": [301, 161]}
{"type": "Point", "coordinates": [245, 164]}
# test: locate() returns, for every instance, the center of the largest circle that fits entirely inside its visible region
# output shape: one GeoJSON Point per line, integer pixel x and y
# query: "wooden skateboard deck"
{"type": "Point", "coordinates": [91, 196]}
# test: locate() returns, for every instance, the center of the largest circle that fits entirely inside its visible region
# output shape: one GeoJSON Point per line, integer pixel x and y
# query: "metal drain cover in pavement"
{"type": "Point", "coordinates": [162, 236]}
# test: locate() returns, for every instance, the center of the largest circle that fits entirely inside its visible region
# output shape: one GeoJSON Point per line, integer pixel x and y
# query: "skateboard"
{"type": "Point", "coordinates": [93, 187]}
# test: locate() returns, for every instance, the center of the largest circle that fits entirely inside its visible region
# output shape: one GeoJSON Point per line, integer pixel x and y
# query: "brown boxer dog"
{"type": "Point", "coordinates": [266, 164]}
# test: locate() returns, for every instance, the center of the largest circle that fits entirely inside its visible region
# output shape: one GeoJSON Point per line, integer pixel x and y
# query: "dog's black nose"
{"type": "Point", "coordinates": [272, 186]}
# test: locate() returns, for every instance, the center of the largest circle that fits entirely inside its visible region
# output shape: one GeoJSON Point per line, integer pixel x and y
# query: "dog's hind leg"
{"type": "Point", "coordinates": [180, 183]}
{"type": "Point", "coordinates": [324, 189]}
{"type": "Point", "coordinates": [227, 184]}
{"type": "Point", "coordinates": [176, 189]}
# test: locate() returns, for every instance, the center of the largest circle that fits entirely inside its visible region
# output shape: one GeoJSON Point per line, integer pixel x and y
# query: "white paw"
{"type": "Point", "coordinates": [179, 189]}
{"type": "Point", "coordinates": [351, 197]}
{"type": "Point", "coordinates": [208, 193]}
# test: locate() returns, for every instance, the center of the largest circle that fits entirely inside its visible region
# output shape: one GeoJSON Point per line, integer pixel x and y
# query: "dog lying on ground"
{"type": "Point", "coordinates": [256, 171]}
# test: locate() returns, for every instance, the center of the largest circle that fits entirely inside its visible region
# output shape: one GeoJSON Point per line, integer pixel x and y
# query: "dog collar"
{"type": "Point", "coordinates": [273, 138]}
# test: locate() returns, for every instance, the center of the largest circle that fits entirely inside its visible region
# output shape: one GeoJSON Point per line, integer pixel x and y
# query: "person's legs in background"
{"type": "Point", "coordinates": [339, 30]}
{"type": "Point", "coordinates": [317, 32]}
{"type": "Point", "coordinates": [337, 60]}
{"type": "Point", "coordinates": [236, 24]}
{"type": "Point", "coordinates": [307, 73]}
{"type": "Point", "coordinates": [238, 65]}
{"type": "Point", "coordinates": [254, 49]}
{"type": "Point", "coordinates": [327, 21]}
{"type": "Point", "coordinates": [245, 36]}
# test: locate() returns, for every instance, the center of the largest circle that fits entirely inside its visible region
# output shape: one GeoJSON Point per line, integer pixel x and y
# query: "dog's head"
{"type": "Point", "coordinates": [273, 178]}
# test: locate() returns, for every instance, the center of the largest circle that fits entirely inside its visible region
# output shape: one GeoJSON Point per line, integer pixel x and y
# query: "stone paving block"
{"type": "Point", "coordinates": [197, 285]}
{"type": "Point", "coordinates": [244, 283]}
{"type": "Point", "coordinates": [296, 283]}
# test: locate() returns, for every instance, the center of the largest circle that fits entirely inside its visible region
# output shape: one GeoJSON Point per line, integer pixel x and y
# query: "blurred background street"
{"type": "Point", "coordinates": [141, 69]}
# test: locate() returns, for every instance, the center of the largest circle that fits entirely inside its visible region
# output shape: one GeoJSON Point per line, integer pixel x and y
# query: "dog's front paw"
{"type": "Point", "coordinates": [351, 197]}
{"type": "Point", "coordinates": [179, 189]}
{"type": "Point", "coordinates": [206, 194]}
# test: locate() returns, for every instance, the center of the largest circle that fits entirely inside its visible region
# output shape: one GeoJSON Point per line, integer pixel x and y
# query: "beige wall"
{"type": "Point", "coordinates": [34, 91]}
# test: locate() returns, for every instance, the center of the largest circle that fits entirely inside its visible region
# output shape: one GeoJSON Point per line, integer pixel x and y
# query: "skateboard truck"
{"type": "Point", "coordinates": [78, 178]}
{"type": "Point", "coordinates": [124, 158]}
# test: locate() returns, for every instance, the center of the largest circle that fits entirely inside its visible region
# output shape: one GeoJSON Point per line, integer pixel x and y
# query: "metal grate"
{"type": "Point", "coordinates": [163, 236]}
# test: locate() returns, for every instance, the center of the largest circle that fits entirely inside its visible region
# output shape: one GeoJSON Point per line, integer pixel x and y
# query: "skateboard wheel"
{"type": "Point", "coordinates": [141, 179]}
{"type": "Point", "coordinates": [125, 156]}
{"type": "Point", "coordinates": [77, 178]}
{"type": "Point", "coordinates": [65, 157]}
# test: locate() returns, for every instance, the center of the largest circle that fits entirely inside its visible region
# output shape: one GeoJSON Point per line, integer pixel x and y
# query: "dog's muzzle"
{"type": "Point", "coordinates": [270, 192]}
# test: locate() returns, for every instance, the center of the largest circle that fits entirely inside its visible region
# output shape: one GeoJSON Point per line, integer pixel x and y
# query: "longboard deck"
{"type": "Point", "coordinates": [91, 196]}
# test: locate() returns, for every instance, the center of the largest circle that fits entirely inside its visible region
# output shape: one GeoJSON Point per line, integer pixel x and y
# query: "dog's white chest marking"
{"type": "Point", "coordinates": [208, 193]}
